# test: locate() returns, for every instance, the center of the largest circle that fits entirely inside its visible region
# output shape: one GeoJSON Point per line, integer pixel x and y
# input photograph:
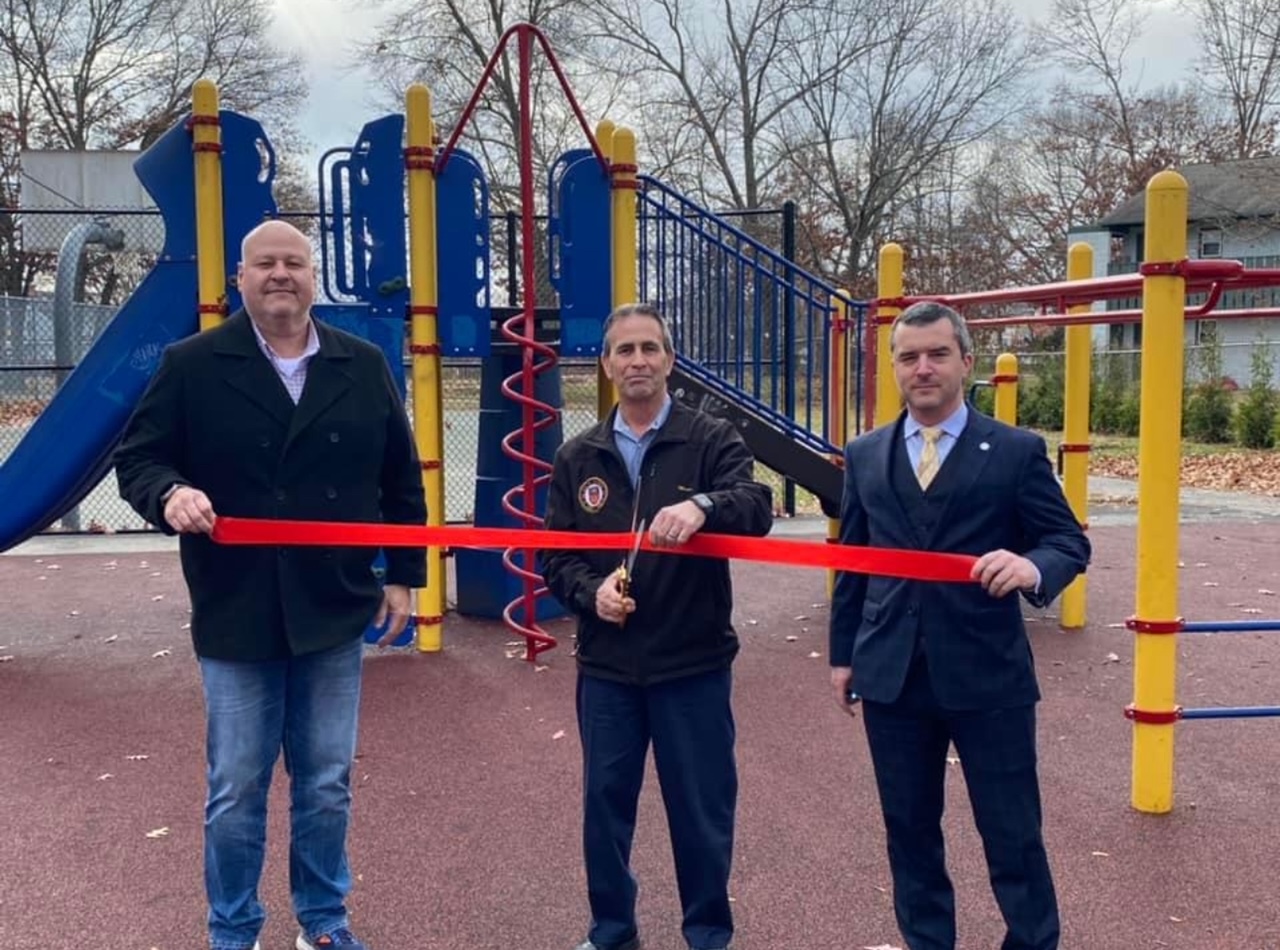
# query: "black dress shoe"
{"type": "Point", "coordinates": [632, 944]}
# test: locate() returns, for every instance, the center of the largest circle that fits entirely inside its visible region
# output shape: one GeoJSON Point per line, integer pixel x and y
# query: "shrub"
{"type": "Point", "coordinates": [1208, 408]}
{"type": "Point", "coordinates": [1256, 416]}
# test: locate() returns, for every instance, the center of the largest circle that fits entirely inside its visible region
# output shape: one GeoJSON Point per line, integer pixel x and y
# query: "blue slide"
{"type": "Point", "coordinates": [68, 449]}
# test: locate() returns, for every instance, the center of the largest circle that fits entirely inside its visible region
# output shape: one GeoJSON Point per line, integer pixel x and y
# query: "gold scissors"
{"type": "Point", "coordinates": [628, 566]}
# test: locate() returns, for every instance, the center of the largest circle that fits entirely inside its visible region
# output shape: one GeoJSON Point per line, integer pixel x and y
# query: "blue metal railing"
{"type": "Point", "coordinates": [742, 311]}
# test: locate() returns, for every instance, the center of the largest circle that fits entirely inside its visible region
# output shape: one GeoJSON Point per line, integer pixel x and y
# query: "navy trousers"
{"type": "Point", "coordinates": [689, 721]}
{"type": "Point", "coordinates": [908, 740]}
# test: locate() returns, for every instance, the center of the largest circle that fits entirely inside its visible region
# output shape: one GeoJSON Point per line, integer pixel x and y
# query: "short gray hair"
{"type": "Point", "coordinates": [930, 311]}
{"type": "Point", "coordinates": [637, 310]}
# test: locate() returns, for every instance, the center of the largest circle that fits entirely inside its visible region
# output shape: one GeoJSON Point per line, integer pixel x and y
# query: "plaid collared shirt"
{"type": "Point", "coordinates": [291, 370]}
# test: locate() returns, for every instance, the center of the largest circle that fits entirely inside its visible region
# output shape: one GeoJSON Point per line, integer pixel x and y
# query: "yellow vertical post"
{"type": "Point", "coordinates": [424, 347]}
{"type": "Point", "coordinates": [837, 404]}
{"type": "Point", "coordinates": [211, 258]}
{"type": "Point", "coordinates": [889, 286]}
{"type": "Point", "coordinates": [1075, 427]}
{"type": "Point", "coordinates": [1006, 382]}
{"type": "Point", "coordinates": [1156, 622]}
{"type": "Point", "coordinates": [622, 173]}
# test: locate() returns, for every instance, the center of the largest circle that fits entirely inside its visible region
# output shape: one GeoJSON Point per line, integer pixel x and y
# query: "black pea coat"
{"type": "Point", "coordinates": [217, 417]}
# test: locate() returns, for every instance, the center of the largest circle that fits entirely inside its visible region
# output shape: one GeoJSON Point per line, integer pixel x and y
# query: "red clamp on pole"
{"type": "Point", "coordinates": [423, 310]}
{"type": "Point", "coordinates": [430, 465]}
{"type": "Point", "coordinates": [424, 349]}
{"type": "Point", "coordinates": [1162, 268]}
{"type": "Point", "coordinates": [1004, 378]}
{"type": "Point", "coordinates": [419, 158]}
{"type": "Point", "coordinates": [1154, 717]}
{"type": "Point", "coordinates": [618, 170]}
{"type": "Point", "coordinates": [1075, 447]}
{"type": "Point", "coordinates": [1154, 626]}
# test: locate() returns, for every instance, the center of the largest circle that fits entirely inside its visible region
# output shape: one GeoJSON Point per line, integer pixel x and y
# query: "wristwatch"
{"type": "Point", "coordinates": [705, 503]}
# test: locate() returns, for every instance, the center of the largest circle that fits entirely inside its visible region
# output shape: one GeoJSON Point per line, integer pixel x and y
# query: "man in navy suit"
{"type": "Point", "coordinates": [938, 664]}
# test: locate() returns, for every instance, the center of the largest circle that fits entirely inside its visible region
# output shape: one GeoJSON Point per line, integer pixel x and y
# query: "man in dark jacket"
{"type": "Point", "coordinates": [941, 664]}
{"type": "Point", "coordinates": [655, 645]}
{"type": "Point", "coordinates": [275, 415]}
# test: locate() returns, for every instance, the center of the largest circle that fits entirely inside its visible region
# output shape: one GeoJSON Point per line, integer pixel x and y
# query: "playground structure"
{"type": "Point", "coordinates": [741, 315]}
{"type": "Point", "coordinates": [758, 340]}
{"type": "Point", "coordinates": [1164, 281]}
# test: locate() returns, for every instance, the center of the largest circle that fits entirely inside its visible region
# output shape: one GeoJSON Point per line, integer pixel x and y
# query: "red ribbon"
{"type": "Point", "coordinates": [887, 562]}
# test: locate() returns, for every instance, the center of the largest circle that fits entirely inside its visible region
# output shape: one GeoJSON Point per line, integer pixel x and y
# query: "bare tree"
{"type": "Point", "coordinates": [113, 73]}
{"type": "Point", "coordinates": [724, 76]}
{"type": "Point", "coordinates": [938, 79]}
{"type": "Point", "coordinates": [1241, 43]}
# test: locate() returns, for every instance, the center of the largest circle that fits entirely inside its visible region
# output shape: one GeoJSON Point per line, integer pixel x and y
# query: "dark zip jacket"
{"type": "Point", "coordinates": [682, 623]}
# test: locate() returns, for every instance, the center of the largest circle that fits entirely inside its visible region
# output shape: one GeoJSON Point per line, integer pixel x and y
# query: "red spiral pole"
{"type": "Point", "coordinates": [520, 501]}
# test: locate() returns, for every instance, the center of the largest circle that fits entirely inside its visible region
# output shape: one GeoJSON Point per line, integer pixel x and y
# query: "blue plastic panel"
{"type": "Point", "coordinates": [462, 223]}
{"type": "Point", "coordinates": [582, 252]}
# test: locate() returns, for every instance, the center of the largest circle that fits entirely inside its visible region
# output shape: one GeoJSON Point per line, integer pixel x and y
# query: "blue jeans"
{"type": "Point", "coordinates": [307, 706]}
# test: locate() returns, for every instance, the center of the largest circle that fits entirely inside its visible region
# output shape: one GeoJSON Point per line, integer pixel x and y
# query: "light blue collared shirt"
{"type": "Point", "coordinates": [951, 428]}
{"type": "Point", "coordinates": [633, 448]}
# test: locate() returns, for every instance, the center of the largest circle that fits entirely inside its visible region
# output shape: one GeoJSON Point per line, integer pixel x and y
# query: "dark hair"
{"type": "Point", "coordinates": [930, 311]}
{"type": "Point", "coordinates": [637, 310]}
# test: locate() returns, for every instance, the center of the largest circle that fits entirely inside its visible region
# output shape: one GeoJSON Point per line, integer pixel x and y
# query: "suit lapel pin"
{"type": "Point", "coordinates": [984, 446]}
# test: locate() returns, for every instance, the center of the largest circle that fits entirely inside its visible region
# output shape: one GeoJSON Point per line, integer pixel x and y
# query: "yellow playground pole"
{"type": "Point", "coordinates": [211, 259]}
{"type": "Point", "coordinates": [1156, 622]}
{"type": "Point", "coordinates": [622, 174]}
{"type": "Point", "coordinates": [424, 347]}
{"type": "Point", "coordinates": [889, 285]}
{"type": "Point", "coordinates": [1006, 383]}
{"type": "Point", "coordinates": [837, 402]}
{"type": "Point", "coordinates": [1075, 427]}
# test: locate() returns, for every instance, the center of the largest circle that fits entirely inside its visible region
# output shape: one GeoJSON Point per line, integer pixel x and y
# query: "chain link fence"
{"type": "Point", "coordinates": [51, 315]}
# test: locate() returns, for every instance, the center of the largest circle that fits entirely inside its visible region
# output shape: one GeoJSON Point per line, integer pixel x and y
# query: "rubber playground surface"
{"type": "Point", "coordinates": [466, 811]}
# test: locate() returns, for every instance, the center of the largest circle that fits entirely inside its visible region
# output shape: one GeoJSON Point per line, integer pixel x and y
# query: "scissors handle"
{"type": "Point", "coordinates": [624, 586]}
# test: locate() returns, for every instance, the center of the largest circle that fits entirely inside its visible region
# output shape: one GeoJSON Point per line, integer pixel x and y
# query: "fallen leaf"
{"type": "Point", "coordinates": [138, 757]}
{"type": "Point", "coordinates": [1266, 593]}
{"type": "Point", "coordinates": [1210, 584]}
{"type": "Point", "coordinates": [157, 597]}
{"type": "Point", "coordinates": [1112, 658]}
{"type": "Point", "coordinates": [791, 638]}
{"type": "Point", "coordinates": [160, 653]}
{"type": "Point", "coordinates": [1251, 610]}
{"type": "Point", "coordinates": [800, 618]}
{"type": "Point", "coordinates": [559, 734]}
{"type": "Point", "coordinates": [112, 639]}
{"type": "Point", "coordinates": [6, 659]}
{"type": "Point", "coordinates": [158, 833]}
{"type": "Point", "coordinates": [815, 655]}
{"type": "Point", "coordinates": [1100, 854]}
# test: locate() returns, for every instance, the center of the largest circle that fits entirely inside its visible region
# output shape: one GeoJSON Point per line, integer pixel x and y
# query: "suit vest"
{"type": "Point", "coordinates": [923, 508]}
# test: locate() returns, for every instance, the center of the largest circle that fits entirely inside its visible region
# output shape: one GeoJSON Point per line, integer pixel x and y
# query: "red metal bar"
{"type": "Point", "coordinates": [1114, 317]}
{"type": "Point", "coordinates": [524, 31]}
{"type": "Point", "coordinates": [1201, 276]}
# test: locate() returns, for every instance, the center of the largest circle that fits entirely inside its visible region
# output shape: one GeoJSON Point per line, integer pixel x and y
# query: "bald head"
{"type": "Point", "coordinates": [276, 278]}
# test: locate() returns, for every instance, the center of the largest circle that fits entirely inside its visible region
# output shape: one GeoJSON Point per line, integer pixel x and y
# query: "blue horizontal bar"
{"type": "Point", "coordinates": [1232, 626]}
{"type": "Point", "coordinates": [1231, 712]}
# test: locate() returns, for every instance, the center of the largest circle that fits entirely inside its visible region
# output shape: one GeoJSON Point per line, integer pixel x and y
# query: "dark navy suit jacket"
{"type": "Point", "coordinates": [996, 489]}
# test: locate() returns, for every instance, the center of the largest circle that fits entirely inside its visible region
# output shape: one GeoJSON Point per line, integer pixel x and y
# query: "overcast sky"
{"type": "Point", "coordinates": [340, 102]}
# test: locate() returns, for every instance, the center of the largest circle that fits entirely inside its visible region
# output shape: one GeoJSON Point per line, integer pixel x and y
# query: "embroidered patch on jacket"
{"type": "Point", "coordinates": [593, 494]}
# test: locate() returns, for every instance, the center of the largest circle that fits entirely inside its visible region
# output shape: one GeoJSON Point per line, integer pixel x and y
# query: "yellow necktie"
{"type": "Point", "coordinates": [929, 460]}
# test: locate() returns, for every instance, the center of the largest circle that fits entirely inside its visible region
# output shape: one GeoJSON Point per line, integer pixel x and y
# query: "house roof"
{"type": "Point", "coordinates": [1246, 188]}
